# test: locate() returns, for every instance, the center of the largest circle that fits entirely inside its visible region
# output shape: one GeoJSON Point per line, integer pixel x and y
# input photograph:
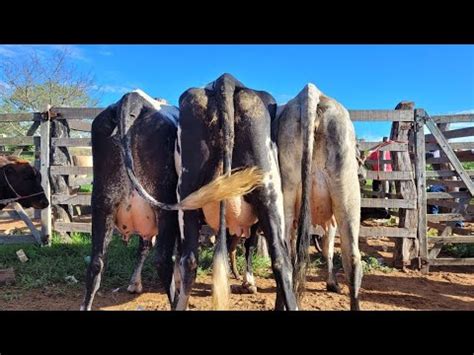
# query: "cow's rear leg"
{"type": "Point", "coordinates": [189, 258]}
{"type": "Point", "coordinates": [164, 250]}
{"type": "Point", "coordinates": [102, 228]}
{"type": "Point", "coordinates": [135, 285]}
{"type": "Point", "coordinates": [347, 212]}
{"type": "Point", "coordinates": [271, 217]}
{"type": "Point", "coordinates": [328, 253]}
{"type": "Point", "coordinates": [250, 245]}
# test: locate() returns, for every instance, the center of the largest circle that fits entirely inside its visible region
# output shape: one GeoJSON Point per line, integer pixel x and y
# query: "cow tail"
{"type": "Point", "coordinates": [225, 89]}
{"type": "Point", "coordinates": [309, 99]}
{"type": "Point", "coordinates": [239, 183]}
{"type": "Point", "coordinates": [223, 187]}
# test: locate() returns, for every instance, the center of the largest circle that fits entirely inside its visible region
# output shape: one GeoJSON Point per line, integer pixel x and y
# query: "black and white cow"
{"type": "Point", "coordinates": [203, 189]}
{"type": "Point", "coordinates": [224, 126]}
{"type": "Point", "coordinates": [320, 178]}
{"type": "Point", "coordinates": [140, 126]}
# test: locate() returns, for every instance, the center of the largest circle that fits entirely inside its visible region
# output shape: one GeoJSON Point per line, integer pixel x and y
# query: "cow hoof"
{"type": "Point", "coordinates": [333, 288]}
{"type": "Point", "coordinates": [237, 277]}
{"type": "Point", "coordinates": [135, 288]}
{"type": "Point", "coordinates": [355, 305]}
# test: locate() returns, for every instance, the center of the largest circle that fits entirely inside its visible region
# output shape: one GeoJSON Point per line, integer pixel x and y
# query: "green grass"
{"type": "Point", "coordinates": [369, 263]}
{"type": "Point", "coordinates": [261, 265]}
{"type": "Point", "coordinates": [459, 250]}
{"type": "Point", "coordinates": [468, 165]}
{"type": "Point", "coordinates": [48, 267]}
{"type": "Point", "coordinates": [86, 188]}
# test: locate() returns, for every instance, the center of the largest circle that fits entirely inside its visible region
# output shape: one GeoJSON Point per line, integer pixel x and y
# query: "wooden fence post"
{"type": "Point", "coordinates": [59, 156]}
{"type": "Point", "coordinates": [420, 166]}
{"type": "Point", "coordinates": [406, 249]}
{"type": "Point", "coordinates": [44, 158]}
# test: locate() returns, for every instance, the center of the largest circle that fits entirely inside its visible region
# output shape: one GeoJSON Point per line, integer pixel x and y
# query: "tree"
{"type": "Point", "coordinates": [31, 83]}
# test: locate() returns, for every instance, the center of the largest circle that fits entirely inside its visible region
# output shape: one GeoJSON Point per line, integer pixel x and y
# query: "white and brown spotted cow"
{"type": "Point", "coordinates": [324, 188]}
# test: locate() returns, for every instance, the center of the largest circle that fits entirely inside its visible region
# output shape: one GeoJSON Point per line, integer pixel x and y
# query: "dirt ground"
{"type": "Point", "coordinates": [440, 290]}
{"type": "Point", "coordinates": [444, 288]}
{"type": "Point", "coordinates": [13, 226]}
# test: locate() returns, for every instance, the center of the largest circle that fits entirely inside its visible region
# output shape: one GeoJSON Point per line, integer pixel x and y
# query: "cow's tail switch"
{"type": "Point", "coordinates": [309, 99]}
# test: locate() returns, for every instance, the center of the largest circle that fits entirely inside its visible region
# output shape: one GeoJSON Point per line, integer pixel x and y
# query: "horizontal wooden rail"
{"type": "Point", "coordinates": [451, 239]}
{"type": "Point", "coordinates": [26, 140]}
{"type": "Point", "coordinates": [390, 175]}
{"type": "Point", "coordinates": [394, 147]}
{"type": "Point", "coordinates": [387, 203]}
{"type": "Point", "coordinates": [71, 170]}
{"type": "Point", "coordinates": [381, 115]}
{"type": "Point", "coordinates": [71, 142]}
{"type": "Point", "coordinates": [445, 173]}
{"type": "Point", "coordinates": [62, 199]}
{"type": "Point", "coordinates": [447, 195]}
{"type": "Point", "coordinates": [391, 232]}
{"type": "Point", "coordinates": [451, 261]}
{"type": "Point", "coordinates": [73, 113]}
{"type": "Point", "coordinates": [63, 227]}
{"type": "Point", "coordinates": [20, 117]}
{"type": "Point", "coordinates": [454, 133]}
{"type": "Point", "coordinates": [82, 126]}
{"type": "Point", "coordinates": [453, 118]}
{"type": "Point", "coordinates": [441, 217]}
{"type": "Point", "coordinates": [455, 146]}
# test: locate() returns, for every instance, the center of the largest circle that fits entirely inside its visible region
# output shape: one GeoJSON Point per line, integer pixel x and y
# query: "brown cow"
{"type": "Point", "coordinates": [21, 182]}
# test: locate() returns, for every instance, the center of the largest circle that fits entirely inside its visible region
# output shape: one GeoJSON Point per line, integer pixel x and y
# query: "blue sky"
{"type": "Point", "coordinates": [439, 78]}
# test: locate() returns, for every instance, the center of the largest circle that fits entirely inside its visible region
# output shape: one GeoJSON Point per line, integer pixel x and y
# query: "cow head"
{"type": "Point", "coordinates": [21, 179]}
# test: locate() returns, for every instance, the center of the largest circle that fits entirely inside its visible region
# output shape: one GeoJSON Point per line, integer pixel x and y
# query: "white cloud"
{"type": "Point", "coordinates": [465, 112]}
{"type": "Point", "coordinates": [7, 52]}
{"type": "Point", "coordinates": [17, 50]}
{"type": "Point", "coordinates": [112, 89]}
{"type": "Point", "coordinates": [10, 51]}
{"type": "Point", "coordinates": [370, 138]}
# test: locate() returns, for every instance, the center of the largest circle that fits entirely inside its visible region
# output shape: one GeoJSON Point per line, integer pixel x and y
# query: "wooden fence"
{"type": "Point", "coordinates": [446, 171]}
{"type": "Point", "coordinates": [408, 202]}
